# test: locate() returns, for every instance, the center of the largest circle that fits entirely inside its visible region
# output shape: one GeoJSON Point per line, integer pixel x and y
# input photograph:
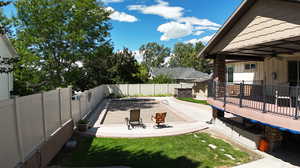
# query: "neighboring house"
{"type": "Point", "coordinates": [259, 42]}
{"type": "Point", "coordinates": [180, 74]}
{"type": "Point", "coordinates": [6, 79]}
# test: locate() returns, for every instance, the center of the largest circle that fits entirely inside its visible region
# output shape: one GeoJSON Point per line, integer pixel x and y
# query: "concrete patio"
{"type": "Point", "coordinates": [110, 120]}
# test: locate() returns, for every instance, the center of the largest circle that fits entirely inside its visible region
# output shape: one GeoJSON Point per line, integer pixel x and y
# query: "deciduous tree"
{"type": "Point", "coordinates": [154, 54]}
{"type": "Point", "coordinates": [53, 36]}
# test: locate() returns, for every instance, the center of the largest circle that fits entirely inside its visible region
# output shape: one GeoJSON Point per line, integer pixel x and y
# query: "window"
{"type": "Point", "coordinates": [250, 66]}
{"type": "Point", "coordinates": [230, 71]}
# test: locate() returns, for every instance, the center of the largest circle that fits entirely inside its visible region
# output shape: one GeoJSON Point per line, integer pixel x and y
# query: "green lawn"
{"type": "Point", "coordinates": [194, 100]}
{"type": "Point", "coordinates": [185, 151]}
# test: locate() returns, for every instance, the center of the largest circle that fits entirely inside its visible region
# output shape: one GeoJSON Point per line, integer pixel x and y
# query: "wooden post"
{"type": "Point", "coordinates": [241, 93]}
{"type": "Point", "coordinates": [225, 85]}
{"type": "Point", "coordinates": [215, 90]}
{"type": "Point", "coordinates": [264, 98]}
{"type": "Point", "coordinates": [297, 104]}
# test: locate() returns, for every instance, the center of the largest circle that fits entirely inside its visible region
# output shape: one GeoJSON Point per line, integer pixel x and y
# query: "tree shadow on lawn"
{"type": "Point", "coordinates": [86, 155]}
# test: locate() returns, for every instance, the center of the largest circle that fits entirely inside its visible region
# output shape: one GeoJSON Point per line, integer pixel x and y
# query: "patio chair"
{"type": "Point", "coordinates": [159, 119]}
{"type": "Point", "coordinates": [135, 119]}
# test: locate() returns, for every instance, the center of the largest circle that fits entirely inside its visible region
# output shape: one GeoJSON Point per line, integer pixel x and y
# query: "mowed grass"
{"type": "Point", "coordinates": [194, 100]}
{"type": "Point", "coordinates": [185, 151]}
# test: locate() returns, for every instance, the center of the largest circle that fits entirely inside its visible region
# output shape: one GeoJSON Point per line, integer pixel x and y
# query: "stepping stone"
{"type": "Point", "coordinates": [229, 156]}
{"type": "Point", "coordinates": [212, 146]}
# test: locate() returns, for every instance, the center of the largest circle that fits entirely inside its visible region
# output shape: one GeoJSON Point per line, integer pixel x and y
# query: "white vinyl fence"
{"type": "Point", "coordinates": [145, 89]}
{"type": "Point", "coordinates": [87, 101]}
{"type": "Point", "coordinates": [26, 122]}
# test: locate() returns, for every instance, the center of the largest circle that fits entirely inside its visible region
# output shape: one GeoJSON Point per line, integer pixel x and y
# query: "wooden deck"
{"type": "Point", "coordinates": [274, 115]}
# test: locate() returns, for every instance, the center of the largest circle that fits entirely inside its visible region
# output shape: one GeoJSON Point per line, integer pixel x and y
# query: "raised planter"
{"type": "Point", "coordinates": [83, 125]}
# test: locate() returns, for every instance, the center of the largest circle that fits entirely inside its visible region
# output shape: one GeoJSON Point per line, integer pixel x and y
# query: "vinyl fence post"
{"type": "Point", "coordinates": [153, 89]}
{"type": "Point", "coordinates": [59, 106]}
{"type": "Point", "coordinates": [44, 116]}
{"type": "Point", "coordinates": [128, 90]}
{"type": "Point", "coordinates": [140, 90]}
{"type": "Point", "coordinates": [71, 100]}
{"type": "Point", "coordinates": [18, 130]}
{"type": "Point", "coordinates": [80, 111]}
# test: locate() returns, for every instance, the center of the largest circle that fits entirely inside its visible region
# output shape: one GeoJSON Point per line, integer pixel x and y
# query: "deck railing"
{"type": "Point", "coordinates": [277, 99]}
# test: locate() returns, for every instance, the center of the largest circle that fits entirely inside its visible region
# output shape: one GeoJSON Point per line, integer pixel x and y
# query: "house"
{"type": "Point", "coordinates": [197, 79]}
{"type": "Point", "coordinates": [180, 74]}
{"type": "Point", "coordinates": [6, 79]}
{"type": "Point", "coordinates": [257, 66]}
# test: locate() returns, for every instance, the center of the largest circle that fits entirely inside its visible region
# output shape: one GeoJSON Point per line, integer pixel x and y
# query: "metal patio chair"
{"type": "Point", "coordinates": [159, 119]}
{"type": "Point", "coordinates": [135, 119]}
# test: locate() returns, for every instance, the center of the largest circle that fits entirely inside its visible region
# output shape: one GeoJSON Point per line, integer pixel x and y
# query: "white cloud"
{"type": "Point", "coordinates": [161, 9]}
{"type": "Point", "coordinates": [197, 33]}
{"type": "Point", "coordinates": [121, 16]}
{"type": "Point", "coordinates": [180, 26]}
{"type": "Point", "coordinates": [206, 28]}
{"type": "Point", "coordinates": [204, 39]}
{"type": "Point", "coordinates": [192, 41]}
{"type": "Point", "coordinates": [112, 1]}
{"type": "Point", "coordinates": [174, 30]}
{"type": "Point", "coordinates": [197, 21]}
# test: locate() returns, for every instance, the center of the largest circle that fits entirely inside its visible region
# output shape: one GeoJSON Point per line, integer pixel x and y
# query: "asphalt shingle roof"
{"type": "Point", "coordinates": [181, 73]}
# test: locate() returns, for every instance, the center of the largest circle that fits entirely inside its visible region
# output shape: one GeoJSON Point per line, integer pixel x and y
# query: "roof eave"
{"type": "Point", "coordinates": [239, 12]}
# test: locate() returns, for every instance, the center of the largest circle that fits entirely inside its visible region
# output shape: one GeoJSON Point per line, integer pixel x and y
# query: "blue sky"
{"type": "Point", "coordinates": [167, 21]}
{"type": "Point", "coordinates": [137, 22]}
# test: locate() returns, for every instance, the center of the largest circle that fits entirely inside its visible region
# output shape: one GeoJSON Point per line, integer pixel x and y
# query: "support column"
{"type": "Point", "coordinates": [220, 75]}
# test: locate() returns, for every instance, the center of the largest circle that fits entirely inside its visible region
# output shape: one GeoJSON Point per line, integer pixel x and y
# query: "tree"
{"type": "Point", "coordinates": [143, 73]}
{"type": "Point", "coordinates": [5, 23]}
{"type": "Point", "coordinates": [186, 55]}
{"type": "Point", "coordinates": [124, 67]}
{"type": "Point", "coordinates": [53, 36]}
{"type": "Point", "coordinates": [203, 64]}
{"type": "Point", "coordinates": [6, 64]}
{"type": "Point", "coordinates": [154, 54]}
{"type": "Point", "coordinates": [183, 55]}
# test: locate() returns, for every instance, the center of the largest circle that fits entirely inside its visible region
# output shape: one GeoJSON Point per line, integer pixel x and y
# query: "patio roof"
{"type": "Point", "coordinates": [258, 29]}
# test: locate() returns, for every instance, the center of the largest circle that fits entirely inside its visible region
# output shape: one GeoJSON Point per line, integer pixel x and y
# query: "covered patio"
{"type": "Point", "coordinates": [267, 33]}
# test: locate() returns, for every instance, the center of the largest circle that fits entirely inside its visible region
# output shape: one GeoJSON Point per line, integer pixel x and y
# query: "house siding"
{"type": "Point", "coordinates": [266, 21]}
{"type": "Point", "coordinates": [264, 70]}
{"type": "Point", "coordinates": [6, 80]}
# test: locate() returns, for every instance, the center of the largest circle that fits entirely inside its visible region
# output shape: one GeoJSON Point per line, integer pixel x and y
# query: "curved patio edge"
{"type": "Point", "coordinates": [121, 131]}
